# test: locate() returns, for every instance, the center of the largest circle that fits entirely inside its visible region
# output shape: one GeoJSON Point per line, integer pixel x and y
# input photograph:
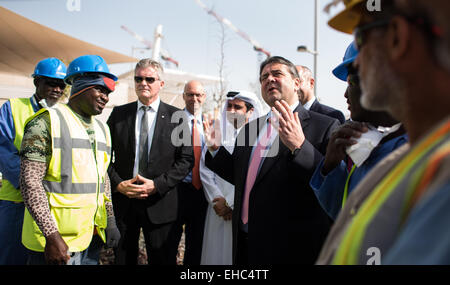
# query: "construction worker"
{"type": "Point", "coordinates": [357, 146]}
{"type": "Point", "coordinates": [48, 78]}
{"type": "Point", "coordinates": [399, 213]}
{"type": "Point", "coordinates": [65, 154]}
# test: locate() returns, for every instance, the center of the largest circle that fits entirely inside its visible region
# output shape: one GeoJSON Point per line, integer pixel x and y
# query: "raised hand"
{"type": "Point", "coordinates": [290, 128]}
{"type": "Point", "coordinates": [211, 131]}
{"type": "Point", "coordinates": [342, 138]}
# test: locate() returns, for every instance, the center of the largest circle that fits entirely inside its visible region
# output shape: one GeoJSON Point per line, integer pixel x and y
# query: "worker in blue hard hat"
{"type": "Point", "coordinates": [343, 166]}
{"type": "Point", "coordinates": [48, 79]}
{"type": "Point", "coordinates": [65, 154]}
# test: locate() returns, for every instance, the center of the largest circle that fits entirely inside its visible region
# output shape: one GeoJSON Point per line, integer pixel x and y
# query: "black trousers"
{"type": "Point", "coordinates": [161, 240]}
{"type": "Point", "coordinates": [242, 248]}
{"type": "Point", "coordinates": [192, 207]}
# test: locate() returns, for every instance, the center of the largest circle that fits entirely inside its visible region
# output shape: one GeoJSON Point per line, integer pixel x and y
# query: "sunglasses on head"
{"type": "Point", "coordinates": [150, 80]}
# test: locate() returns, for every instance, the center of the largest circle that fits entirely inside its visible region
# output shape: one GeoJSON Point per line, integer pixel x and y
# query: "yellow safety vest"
{"type": "Point", "coordinates": [74, 182]}
{"type": "Point", "coordinates": [382, 215]}
{"type": "Point", "coordinates": [21, 110]}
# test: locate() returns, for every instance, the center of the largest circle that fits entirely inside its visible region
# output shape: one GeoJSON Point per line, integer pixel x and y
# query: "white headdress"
{"type": "Point", "coordinates": [229, 133]}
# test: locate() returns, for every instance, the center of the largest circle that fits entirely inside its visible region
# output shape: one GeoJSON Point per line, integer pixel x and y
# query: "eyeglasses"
{"type": "Point", "coordinates": [433, 31]}
{"type": "Point", "coordinates": [360, 33]}
{"type": "Point", "coordinates": [149, 80]}
{"type": "Point", "coordinates": [191, 95]}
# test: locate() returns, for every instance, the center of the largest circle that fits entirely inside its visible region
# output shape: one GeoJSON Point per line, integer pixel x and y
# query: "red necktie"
{"type": "Point", "coordinates": [197, 153]}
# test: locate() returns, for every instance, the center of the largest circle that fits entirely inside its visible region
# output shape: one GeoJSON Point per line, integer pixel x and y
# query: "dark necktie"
{"type": "Point", "coordinates": [143, 141]}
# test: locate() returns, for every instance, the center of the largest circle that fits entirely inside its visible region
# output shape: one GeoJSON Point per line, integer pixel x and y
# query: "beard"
{"type": "Point", "coordinates": [237, 120]}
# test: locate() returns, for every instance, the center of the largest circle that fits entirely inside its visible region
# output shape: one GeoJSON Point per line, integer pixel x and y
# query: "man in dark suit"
{"type": "Point", "coordinates": [276, 220]}
{"type": "Point", "coordinates": [146, 168]}
{"type": "Point", "coordinates": [307, 98]}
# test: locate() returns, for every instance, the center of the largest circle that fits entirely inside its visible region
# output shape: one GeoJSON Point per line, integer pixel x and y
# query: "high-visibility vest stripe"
{"type": "Point", "coordinates": [424, 178]}
{"type": "Point", "coordinates": [78, 188]}
{"type": "Point", "coordinates": [351, 247]}
{"type": "Point", "coordinates": [347, 183]}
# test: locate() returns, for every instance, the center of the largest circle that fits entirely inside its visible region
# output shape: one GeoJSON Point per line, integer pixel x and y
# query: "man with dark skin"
{"type": "Point", "coordinates": [67, 212]}
{"type": "Point", "coordinates": [48, 80]}
{"type": "Point", "coordinates": [337, 175]}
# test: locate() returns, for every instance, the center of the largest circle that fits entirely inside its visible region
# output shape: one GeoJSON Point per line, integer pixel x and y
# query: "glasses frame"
{"type": "Point", "coordinates": [192, 95]}
{"type": "Point", "coordinates": [360, 33]}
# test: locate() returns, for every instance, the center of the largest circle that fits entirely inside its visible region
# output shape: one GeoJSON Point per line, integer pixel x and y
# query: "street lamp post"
{"type": "Point", "coordinates": [314, 52]}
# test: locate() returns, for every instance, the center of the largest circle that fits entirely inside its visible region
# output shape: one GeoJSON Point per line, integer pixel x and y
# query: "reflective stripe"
{"type": "Point", "coordinates": [100, 145]}
{"type": "Point", "coordinates": [103, 147]}
{"type": "Point", "coordinates": [74, 188]}
{"type": "Point", "coordinates": [384, 207]}
{"type": "Point", "coordinates": [102, 127]}
{"type": "Point", "coordinates": [66, 155]}
{"type": "Point", "coordinates": [347, 182]}
{"type": "Point", "coordinates": [76, 143]}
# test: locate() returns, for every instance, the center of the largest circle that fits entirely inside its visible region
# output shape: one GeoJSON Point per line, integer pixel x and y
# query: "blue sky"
{"type": "Point", "coordinates": [192, 36]}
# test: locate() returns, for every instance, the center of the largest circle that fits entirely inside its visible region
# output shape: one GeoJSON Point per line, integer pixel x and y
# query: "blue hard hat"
{"type": "Point", "coordinates": [350, 55]}
{"type": "Point", "coordinates": [87, 64]}
{"type": "Point", "coordinates": [50, 67]}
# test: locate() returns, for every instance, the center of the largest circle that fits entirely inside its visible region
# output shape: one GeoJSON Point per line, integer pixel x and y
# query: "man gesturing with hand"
{"type": "Point", "coordinates": [276, 217]}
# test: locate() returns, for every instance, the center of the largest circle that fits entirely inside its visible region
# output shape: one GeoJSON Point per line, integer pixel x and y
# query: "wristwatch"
{"type": "Point", "coordinates": [295, 151]}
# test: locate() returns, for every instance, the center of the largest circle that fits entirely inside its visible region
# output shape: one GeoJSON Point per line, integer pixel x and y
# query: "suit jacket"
{"type": "Point", "coordinates": [328, 111]}
{"type": "Point", "coordinates": [286, 223]}
{"type": "Point", "coordinates": [168, 164]}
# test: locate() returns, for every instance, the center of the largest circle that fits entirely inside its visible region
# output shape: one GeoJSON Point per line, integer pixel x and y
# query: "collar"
{"type": "Point", "coordinates": [308, 104]}
{"type": "Point", "coordinates": [292, 107]}
{"type": "Point", "coordinates": [35, 103]}
{"type": "Point", "coordinates": [154, 105]}
{"type": "Point", "coordinates": [199, 117]}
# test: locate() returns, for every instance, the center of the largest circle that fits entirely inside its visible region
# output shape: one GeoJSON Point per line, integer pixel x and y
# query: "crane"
{"type": "Point", "coordinates": [255, 44]}
{"type": "Point", "coordinates": [164, 54]}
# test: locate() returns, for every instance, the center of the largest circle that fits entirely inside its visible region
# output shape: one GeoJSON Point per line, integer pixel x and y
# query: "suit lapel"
{"type": "Point", "coordinates": [162, 117]}
{"type": "Point", "coordinates": [278, 149]}
{"type": "Point", "coordinates": [131, 114]}
{"type": "Point", "coordinates": [303, 115]}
